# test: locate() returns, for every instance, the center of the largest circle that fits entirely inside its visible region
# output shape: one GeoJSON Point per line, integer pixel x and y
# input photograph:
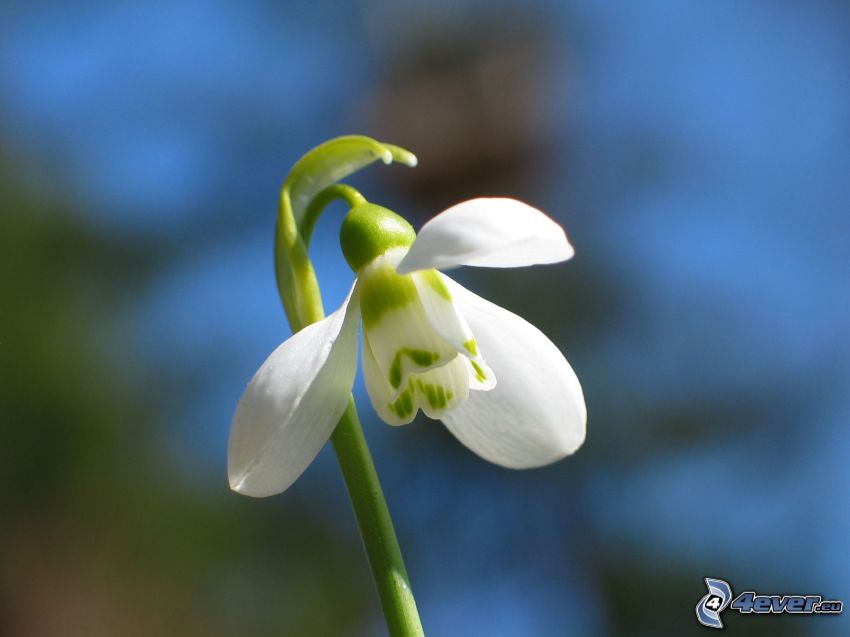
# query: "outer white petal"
{"type": "Point", "coordinates": [292, 404]}
{"type": "Point", "coordinates": [489, 232]}
{"type": "Point", "coordinates": [536, 413]}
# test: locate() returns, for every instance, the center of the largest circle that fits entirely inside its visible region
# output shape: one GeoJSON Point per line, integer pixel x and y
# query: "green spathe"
{"type": "Point", "coordinates": [368, 231]}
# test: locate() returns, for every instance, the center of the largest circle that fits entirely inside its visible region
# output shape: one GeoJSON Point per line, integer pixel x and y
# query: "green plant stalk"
{"type": "Point", "coordinates": [321, 201]}
{"type": "Point", "coordinates": [376, 526]}
{"type": "Point", "coordinates": [303, 305]}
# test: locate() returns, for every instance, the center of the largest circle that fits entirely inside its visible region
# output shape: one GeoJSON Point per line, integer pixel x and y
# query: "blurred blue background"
{"type": "Point", "coordinates": [698, 155]}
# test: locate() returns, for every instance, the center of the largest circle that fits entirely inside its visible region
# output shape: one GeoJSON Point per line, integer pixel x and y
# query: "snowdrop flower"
{"type": "Point", "coordinates": [497, 383]}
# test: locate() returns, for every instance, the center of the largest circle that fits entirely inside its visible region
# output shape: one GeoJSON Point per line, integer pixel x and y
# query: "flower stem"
{"type": "Point", "coordinates": [376, 526]}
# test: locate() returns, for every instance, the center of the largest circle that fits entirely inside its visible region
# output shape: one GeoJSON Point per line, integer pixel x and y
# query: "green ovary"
{"type": "Point", "coordinates": [368, 231]}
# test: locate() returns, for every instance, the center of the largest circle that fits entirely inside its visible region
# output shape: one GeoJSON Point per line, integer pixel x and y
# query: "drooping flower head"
{"type": "Point", "coordinates": [497, 382]}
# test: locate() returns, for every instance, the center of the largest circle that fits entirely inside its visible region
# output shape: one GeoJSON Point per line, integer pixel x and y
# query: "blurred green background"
{"type": "Point", "coordinates": [697, 154]}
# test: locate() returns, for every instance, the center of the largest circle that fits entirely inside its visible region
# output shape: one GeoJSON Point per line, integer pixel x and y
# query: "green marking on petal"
{"type": "Point", "coordinates": [383, 290]}
{"type": "Point", "coordinates": [420, 357]}
{"type": "Point", "coordinates": [432, 278]}
{"type": "Point", "coordinates": [479, 373]}
{"type": "Point", "coordinates": [395, 373]}
{"type": "Point", "coordinates": [431, 395]}
{"type": "Point", "coordinates": [403, 406]}
{"type": "Point", "coordinates": [471, 347]}
{"type": "Point", "coordinates": [436, 395]}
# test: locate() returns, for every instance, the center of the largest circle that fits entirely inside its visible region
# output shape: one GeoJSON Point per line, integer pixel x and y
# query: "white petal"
{"type": "Point", "coordinates": [536, 413]}
{"type": "Point", "coordinates": [292, 404]}
{"type": "Point", "coordinates": [451, 326]}
{"type": "Point", "coordinates": [488, 232]}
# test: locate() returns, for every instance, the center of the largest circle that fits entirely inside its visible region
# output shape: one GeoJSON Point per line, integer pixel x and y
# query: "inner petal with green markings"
{"type": "Point", "coordinates": [418, 351]}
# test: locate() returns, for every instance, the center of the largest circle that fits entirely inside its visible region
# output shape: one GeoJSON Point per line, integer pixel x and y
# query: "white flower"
{"type": "Point", "coordinates": [498, 384]}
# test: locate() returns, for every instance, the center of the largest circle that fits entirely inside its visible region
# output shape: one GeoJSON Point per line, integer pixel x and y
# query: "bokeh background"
{"type": "Point", "coordinates": [698, 154]}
